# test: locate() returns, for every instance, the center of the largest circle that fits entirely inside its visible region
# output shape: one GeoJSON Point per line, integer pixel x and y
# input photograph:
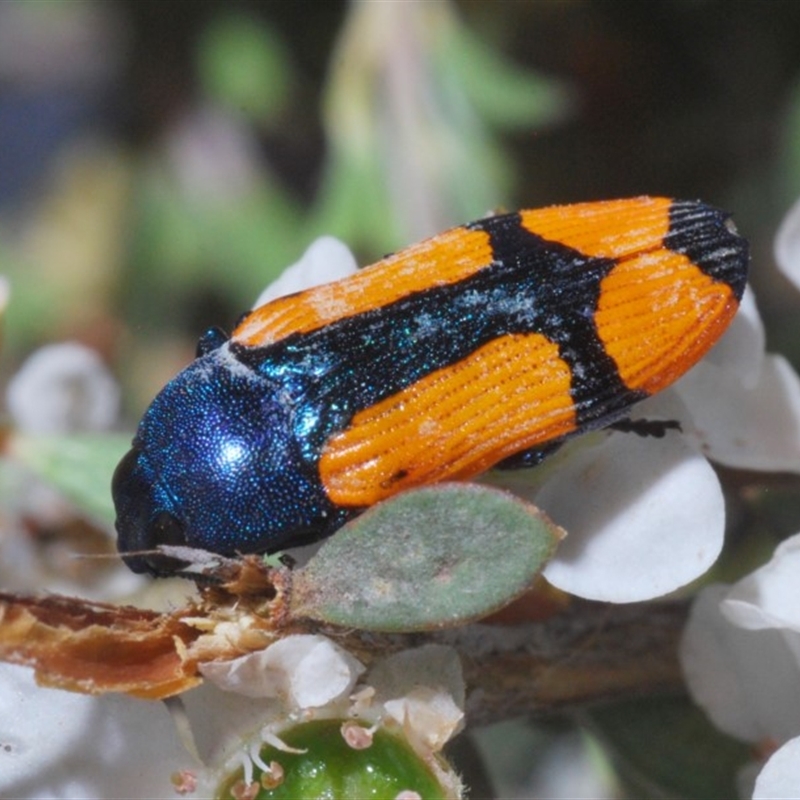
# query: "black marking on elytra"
{"type": "Point", "coordinates": [397, 476]}
{"type": "Point", "coordinates": [531, 286]}
{"type": "Point", "coordinates": [570, 284]}
{"type": "Point", "coordinates": [653, 428]}
{"type": "Point", "coordinates": [531, 457]}
{"type": "Point", "coordinates": [707, 237]}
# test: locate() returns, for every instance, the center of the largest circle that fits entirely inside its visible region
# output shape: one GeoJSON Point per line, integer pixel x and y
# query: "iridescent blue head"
{"type": "Point", "coordinates": [215, 465]}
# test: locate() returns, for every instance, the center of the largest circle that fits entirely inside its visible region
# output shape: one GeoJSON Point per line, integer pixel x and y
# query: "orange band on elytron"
{"type": "Point", "coordinates": [446, 258]}
{"type": "Point", "coordinates": [608, 229]}
{"type": "Point", "coordinates": [453, 423]}
{"type": "Point", "coordinates": [656, 336]}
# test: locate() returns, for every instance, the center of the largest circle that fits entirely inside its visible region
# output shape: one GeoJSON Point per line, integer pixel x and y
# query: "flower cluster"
{"type": "Point", "coordinates": [741, 648]}
{"type": "Point", "coordinates": [115, 747]}
{"type": "Point", "coordinates": [741, 658]}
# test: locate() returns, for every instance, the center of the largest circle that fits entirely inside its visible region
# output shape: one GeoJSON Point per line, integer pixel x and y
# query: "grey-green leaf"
{"type": "Point", "coordinates": [428, 558]}
{"type": "Point", "coordinates": [80, 466]}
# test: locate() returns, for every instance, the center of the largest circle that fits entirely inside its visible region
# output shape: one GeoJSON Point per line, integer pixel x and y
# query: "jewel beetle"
{"type": "Point", "coordinates": [488, 344]}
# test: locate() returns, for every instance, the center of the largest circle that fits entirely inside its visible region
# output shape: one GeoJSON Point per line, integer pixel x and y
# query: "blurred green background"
{"type": "Point", "coordinates": [161, 162]}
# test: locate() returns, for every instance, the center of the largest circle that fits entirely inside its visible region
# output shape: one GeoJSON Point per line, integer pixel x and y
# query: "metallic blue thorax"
{"type": "Point", "coordinates": [218, 452]}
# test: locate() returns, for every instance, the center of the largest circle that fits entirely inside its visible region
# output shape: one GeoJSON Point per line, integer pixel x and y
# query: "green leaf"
{"type": "Point", "coordinates": [667, 748]}
{"type": "Point", "coordinates": [503, 93]}
{"type": "Point", "coordinates": [236, 247]}
{"type": "Point", "coordinates": [243, 62]}
{"type": "Point", "coordinates": [354, 204]}
{"type": "Point", "coordinates": [80, 466]}
{"type": "Point", "coordinates": [428, 558]}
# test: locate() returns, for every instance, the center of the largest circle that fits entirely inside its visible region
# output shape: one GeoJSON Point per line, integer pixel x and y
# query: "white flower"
{"type": "Point", "coordinates": [745, 403]}
{"type": "Point", "coordinates": [63, 388]}
{"type": "Point", "coordinates": [787, 245]}
{"type": "Point", "coordinates": [417, 692]}
{"type": "Point", "coordinates": [62, 745]}
{"type": "Point", "coordinates": [422, 691]}
{"type": "Point", "coordinates": [643, 516]}
{"type": "Point", "coordinates": [326, 259]}
{"type": "Point", "coordinates": [781, 775]}
{"type": "Point", "coordinates": [646, 516]}
{"type": "Point", "coordinates": [60, 389]}
{"type": "Point", "coordinates": [430, 714]}
{"type": "Point", "coordinates": [741, 658]}
{"type": "Point", "coordinates": [59, 744]}
{"type": "Point", "coordinates": [304, 671]}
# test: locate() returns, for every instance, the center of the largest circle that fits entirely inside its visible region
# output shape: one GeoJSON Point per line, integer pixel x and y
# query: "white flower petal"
{"type": "Point", "coordinates": [745, 680]}
{"type": "Point", "coordinates": [770, 596]}
{"type": "Point", "coordinates": [787, 245]}
{"type": "Point", "coordinates": [326, 259]}
{"type": "Point", "coordinates": [644, 517]}
{"type": "Point", "coordinates": [222, 721]}
{"type": "Point", "coordinates": [754, 427]}
{"type": "Point", "coordinates": [65, 745]}
{"type": "Point", "coordinates": [63, 388]}
{"type": "Point", "coordinates": [37, 728]}
{"type": "Point", "coordinates": [398, 674]}
{"type": "Point", "coordinates": [303, 670]}
{"type": "Point", "coordinates": [423, 690]}
{"type": "Point", "coordinates": [326, 673]}
{"type": "Point", "coordinates": [745, 403]}
{"type": "Point", "coordinates": [427, 715]}
{"type": "Point", "coordinates": [741, 348]}
{"type": "Point", "coordinates": [780, 777]}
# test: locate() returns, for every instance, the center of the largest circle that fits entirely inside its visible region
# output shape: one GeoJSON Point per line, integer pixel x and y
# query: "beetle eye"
{"type": "Point", "coordinates": [166, 529]}
{"type": "Point", "coordinates": [210, 341]}
{"type": "Point", "coordinates": [163, 529]}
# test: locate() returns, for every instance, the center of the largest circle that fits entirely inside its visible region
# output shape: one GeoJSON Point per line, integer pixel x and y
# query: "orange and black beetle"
{"type": "Point", "coordinates": [488, 343]}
